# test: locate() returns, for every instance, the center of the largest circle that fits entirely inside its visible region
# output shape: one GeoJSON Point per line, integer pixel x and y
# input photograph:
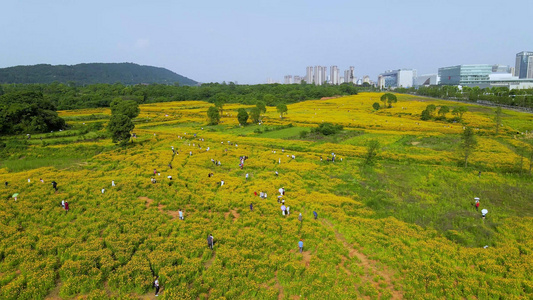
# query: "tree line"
{"type": "Point", "coordinates": [72, 96]}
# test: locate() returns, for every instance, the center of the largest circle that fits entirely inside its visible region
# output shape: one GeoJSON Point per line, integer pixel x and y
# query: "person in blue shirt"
{"type": "Point", "coordinates": [251, 206]}
{"type": "Point", "coordinates": [301, 246]}
{"type": "Point", "coordinates": [315, 214]}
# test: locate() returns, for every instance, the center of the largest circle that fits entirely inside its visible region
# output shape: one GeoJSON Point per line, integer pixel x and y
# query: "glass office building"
{"type": "Point", "coordinates": [524, 64]}
{"type": "Point", "coordinates": [468, 75]}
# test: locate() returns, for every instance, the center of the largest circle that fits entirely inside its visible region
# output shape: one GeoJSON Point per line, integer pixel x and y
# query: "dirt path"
{"type": "Point", "coordinates": [370, 266]}
{"type": "Point", "coordinates": [174, 214]}
{"type": "Point", "coordinates": [209, 263]}
{"type": "Point", "coordinates": [233, 212]}
{"type": "Point", "coordinates": [147, 200]}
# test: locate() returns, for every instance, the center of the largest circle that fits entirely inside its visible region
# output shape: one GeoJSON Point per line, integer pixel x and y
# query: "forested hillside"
{"type": "Point", "coordinates": [81, 74]}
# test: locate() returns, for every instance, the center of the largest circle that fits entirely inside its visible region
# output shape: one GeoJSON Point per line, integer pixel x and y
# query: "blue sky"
{"type": "Point", "coordinates": [250, 41]}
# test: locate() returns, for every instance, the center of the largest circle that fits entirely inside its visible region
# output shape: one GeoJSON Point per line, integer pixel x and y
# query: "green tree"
{"type": "Point", "coordinates": [269, 99]}
{"type": "Point", "coordinates": [242, 116]}
{"type": "Point", "coordinates": [282, 109]}
{"type": "Point", "coordinates": [459, 111]}
{"type": "Point", "coordinates": [328, 128]}
{"type": "Point", "coordinates": [388, 98]}
{"type": "Point", "coordinates": [219, 104]}
{"type": "Point", "coordinates": [255, 114]}
{"type": "Point", "coordinates": [376, 106]}
{"type": "Point", "coordinates": [426, 115]}
{"type": "Point", "coordinates": [261, 106]}
{"type": "Point", "coordinates": [214, 115]}
{"type": "Point", "coordinates": [120, 127]}
{"type": "Point", "coordinates": [372, 149]}
{"type": "Point", "coordinates": [443, 111]}
{"type": "Point", "coordinates": [498, 119]}
{"type": "Point", "coordinates": [129, 108]}
{"type": "Point", "coordinates": [431, 109]}
{"type": "Point", "coordinates": [468, 143]}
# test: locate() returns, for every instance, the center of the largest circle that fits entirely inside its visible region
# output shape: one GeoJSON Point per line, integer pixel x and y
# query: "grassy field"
{"type": "Point", "coordinates": [405, 227]}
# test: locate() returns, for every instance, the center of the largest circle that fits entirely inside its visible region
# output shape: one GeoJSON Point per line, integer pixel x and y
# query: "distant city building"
{"type": "Point", "coordinates": [366, 79]}
{"type": "Point", "coordinates": [524, 64]}
{"type": "Point", "coordinates": [320, 75]}
{"type": "Point", "coordinates": [297, 79]}
{"type": "Point", "coordinates": [397, 78]}
{"type": "Point", "coordinates": [348, 75]}
{"type": "Point", "coordinates": [427, 80]}
{"type": "Point", "coordinates": [468, 75]}
{"type": "Point", "coordinates": [501, 69]}
{"type": "Point", "coordinates": [482, 76]}
{"type": "Point", "coordinates": [334, 75]}
{"type": "Point", "coordinates": [309, 75]}
{"type": "Point", "coordinates": [288, 79]}
{"type": "Point", "coordinates": [381, 81]}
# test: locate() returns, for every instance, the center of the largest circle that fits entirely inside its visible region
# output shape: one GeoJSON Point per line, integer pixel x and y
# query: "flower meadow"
{"type": "Point", "coordinates": [404, 228]}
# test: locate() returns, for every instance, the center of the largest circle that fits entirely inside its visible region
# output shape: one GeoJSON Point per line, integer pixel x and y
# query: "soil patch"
{"type": "Point", "coordinates": [147, 200]}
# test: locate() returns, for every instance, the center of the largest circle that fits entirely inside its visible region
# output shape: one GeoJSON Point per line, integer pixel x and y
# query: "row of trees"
{"type": "Point", "coordinates": [70, 96]}
{"type": "Point", "coordinates": [429, 112]}
{"type": "Point", "coordinates": [497, 95]}
{"type": "Point", "coordinates": [214, 113]}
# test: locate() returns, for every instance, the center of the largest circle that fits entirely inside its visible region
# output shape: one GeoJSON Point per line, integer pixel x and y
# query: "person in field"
{"type": "Point", "coordinates": [112, 183]}
{"type": "Point", "coordinates": [251, 206]}
{"type": "Point", "coordinates": [66, 206]}
{"type": "Point", "coordinates": [300, 217]}
{"type": "Point", "coordinates": [477, 203]}
{"type": "Point", "coordinates": [283, 209]}
{"type": "Point", "coordinates": [54, 185]}
{"type": "Point", "coordinates": [301, 245]}
{"type": "Point", "coordinates": [156, 285]}
{"type": "Point", "coordinates": [315, 214]}
{"type": "Point", "coordinates": [180, 213]}
{"type": "Point", "coordinates": [63, 204]}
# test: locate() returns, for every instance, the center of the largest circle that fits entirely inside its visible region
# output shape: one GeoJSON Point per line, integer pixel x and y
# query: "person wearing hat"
{"type": "Point", "coordinates": [477, 203]}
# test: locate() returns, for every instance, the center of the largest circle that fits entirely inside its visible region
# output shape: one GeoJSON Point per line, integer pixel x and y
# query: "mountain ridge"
{"type": "Point", "coordinates": [92, 73]}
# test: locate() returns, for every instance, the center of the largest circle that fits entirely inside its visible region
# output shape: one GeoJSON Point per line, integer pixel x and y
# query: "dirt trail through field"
{"type": "Point", "coordinates": [370, 266]}
{"type": "Point", "coordinates": [208, 263]}
{"type": "Point", "coordinates": [235, 214]}
{"type": "Point", "coordinates": [174, 214]}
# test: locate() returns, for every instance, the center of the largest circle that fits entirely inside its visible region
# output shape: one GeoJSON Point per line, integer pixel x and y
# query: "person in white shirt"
{"type": "Point", "coordinates": [156, 285]}
{"type": "Point", "coordinates": [112, 183]}
{"type": "Point", "coordinates": [180, 213]}
{"type": "Point", "coordinates": [103, 190]}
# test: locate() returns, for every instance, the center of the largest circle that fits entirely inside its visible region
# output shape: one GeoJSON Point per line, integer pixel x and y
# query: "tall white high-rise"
{"type": "Point", "coordinates": [288, 79]}
{"type": "Point", "coordinates": [320, 75]}
{"type": "Point", "coordinates": [334, 75]}
{"type": "Point", "coordinates": [309, 75]}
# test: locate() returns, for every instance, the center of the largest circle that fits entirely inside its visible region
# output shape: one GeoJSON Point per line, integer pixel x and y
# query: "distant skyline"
{"type": "Point", "coordinates": [250, 41]}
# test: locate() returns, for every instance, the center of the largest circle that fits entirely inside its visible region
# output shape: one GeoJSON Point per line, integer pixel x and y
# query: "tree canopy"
{"type": "Point", "coordinates": [28, 112]}
{"type": "Point", "coordinates": [242, 116]}
{"type": "Point", "coordinates": [282, 109]}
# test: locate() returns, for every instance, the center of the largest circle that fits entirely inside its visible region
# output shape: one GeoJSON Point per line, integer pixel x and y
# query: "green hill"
{"type": "Point", "coordinates": [126, 73]}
